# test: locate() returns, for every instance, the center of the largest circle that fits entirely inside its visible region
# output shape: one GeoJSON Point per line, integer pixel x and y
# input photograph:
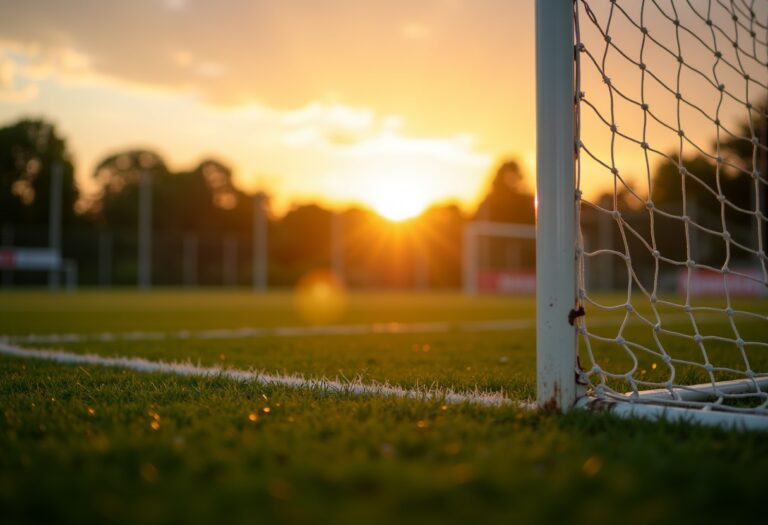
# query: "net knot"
{"type": "Point", "coordinates": [642, 66]}
{"type": "Point", "coordinates": [644, 106]}
{"type": "Point", "coordinates": [729, 311]}
{"type": "Point", "coordinates": [575, 313]}
{"type": "Point", "coordinates": [620, 340]}
{"type": "Point", "coordinates": [690, 263]}
{"type": "Point", "coordinates": [656, 254]}
{"type": "Point", "coordinates": [644, 145]}
{"type": "Point", "coordinates": [698, 338]}
{"type": "Point", "coordinates": [709, 368]}
{"type": "Point", "coordinates": [740, 342]}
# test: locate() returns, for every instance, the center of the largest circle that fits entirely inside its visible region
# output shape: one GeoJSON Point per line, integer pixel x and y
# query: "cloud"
{"type": "Point", "coordinates": [286, 54]}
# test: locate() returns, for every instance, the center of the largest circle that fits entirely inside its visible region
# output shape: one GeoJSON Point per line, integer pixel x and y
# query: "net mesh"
{"type": "Point", "coordinates": [671, 249]}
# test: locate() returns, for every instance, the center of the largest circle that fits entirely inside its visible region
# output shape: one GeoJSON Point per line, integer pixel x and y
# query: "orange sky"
{"type": "Point", "coordinates": [396, 103]}
{"type": "Point", "coordinates": [339, 101]}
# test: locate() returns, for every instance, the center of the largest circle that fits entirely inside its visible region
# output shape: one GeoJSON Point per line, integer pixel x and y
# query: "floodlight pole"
{"type": "Point", "coordinates": [469, 262]}
{"type": "Point", "coordinates": [259, 243]}
{"type": "Point", "coordinates": [6, 241]}
{"type": "Point", "coordinates": [229, 260]}
{"type": "Point", "coordinates": [54, 219]}
{"type": "Point", "coordinates": [189, 264]}
{"type": "Point", "coordinates": [145, 231]}
{"type": "Point", "coordinates": [105, 258]}
{"type": "Point", "coordinates": [337, 245]}
{"type": "Point", "coordinates": [555, 218]}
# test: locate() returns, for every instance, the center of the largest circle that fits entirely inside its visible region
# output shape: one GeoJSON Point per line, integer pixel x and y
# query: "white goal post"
{"type": "Point", "coordinates": [661, 106]}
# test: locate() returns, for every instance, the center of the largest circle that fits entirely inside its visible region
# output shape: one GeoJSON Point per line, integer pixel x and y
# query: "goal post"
{"type": "Point", "coordinates": [651, 156]}
{"type": "Point", "coordinates": [555, 206]}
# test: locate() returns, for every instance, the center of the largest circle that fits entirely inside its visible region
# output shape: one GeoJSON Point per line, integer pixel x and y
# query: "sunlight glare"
{"type": "Point", "coordinates": [398, 203]}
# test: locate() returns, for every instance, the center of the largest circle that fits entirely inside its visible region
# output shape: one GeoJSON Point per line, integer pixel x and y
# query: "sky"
{"type": "Point", "coordinates": [337, 101]}
{"type": "Point", "coordinates": [392, 104]}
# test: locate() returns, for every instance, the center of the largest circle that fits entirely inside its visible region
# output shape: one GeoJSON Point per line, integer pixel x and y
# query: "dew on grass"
{"type": "Point", "coordinates": [154, 425]}
{"type": "Point", "coordinates": [252, 417]}
{"type": "Point", "coordinates": [266, 410]}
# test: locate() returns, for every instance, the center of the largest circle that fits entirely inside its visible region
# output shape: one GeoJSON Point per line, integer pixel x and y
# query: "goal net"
{"type": "Point", "coordinates": [665, 144]}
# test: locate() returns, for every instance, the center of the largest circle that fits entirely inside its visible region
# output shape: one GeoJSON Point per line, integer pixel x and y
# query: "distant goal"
{"type": "Point", "coordinates": [498, 258]}
{"type": "Point", "coordinates": [652, 169]}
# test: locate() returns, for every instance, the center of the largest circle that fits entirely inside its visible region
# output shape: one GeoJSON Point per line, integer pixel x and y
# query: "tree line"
{"type": "Point", "coordinates": [206, 202]}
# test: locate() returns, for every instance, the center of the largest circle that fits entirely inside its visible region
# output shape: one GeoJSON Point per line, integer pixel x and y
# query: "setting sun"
{"type": "Point", "coordinates": [398, 203]}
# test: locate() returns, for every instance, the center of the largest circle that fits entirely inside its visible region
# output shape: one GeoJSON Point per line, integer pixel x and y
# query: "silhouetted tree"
{"type": "Point", "coordinates": [28, 149]}
{"type": "Point", "coordinates": [507, 200]}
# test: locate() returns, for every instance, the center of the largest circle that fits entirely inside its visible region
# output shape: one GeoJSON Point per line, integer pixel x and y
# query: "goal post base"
{"type": "Point", "coordinates": [651, 412]}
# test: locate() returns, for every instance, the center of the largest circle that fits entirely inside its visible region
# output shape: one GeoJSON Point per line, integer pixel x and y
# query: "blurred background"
{"type": "Point", "coordinates": [241, 143]}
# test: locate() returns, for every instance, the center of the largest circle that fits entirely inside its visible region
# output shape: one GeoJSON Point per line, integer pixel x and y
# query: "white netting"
{"type": "Point", "coordinates": [671, 131]}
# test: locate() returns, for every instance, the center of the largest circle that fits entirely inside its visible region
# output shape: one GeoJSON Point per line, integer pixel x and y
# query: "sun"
{"type": "Point", "coordinates": [398, 204]}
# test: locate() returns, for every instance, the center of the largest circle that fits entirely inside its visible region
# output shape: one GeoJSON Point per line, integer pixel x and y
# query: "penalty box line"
{"type": "Point", "coordinates": [137, 364]}
{"type": "Point", "coordinates": [439, 327]}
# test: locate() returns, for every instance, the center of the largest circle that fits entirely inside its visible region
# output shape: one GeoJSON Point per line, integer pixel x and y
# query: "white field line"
{"type": "Point", "coordinates": [496, 325]}
{"type": "Point", "coordinates": [293, 381]}
{"type": "Point", "coordinates": [280, 331]}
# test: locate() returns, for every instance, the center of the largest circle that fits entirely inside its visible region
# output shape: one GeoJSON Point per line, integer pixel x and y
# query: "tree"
{"type": "Point", "coordinates": [28, 150]}
{"type": "Point", "coordinates": [118, 177]}
{"type": "Point", "coordinates": [507, 200]}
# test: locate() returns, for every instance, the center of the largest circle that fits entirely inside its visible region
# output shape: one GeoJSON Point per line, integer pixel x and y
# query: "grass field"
{"type": "Point", "coordinates": [82, 443]}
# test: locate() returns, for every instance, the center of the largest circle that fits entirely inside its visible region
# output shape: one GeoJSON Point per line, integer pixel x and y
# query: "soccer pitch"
{"type": "Point", "coordinates": [87, 443]}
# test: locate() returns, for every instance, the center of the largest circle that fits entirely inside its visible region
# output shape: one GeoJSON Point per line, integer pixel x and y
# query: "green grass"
{"type": "Point", "coordinates": [77, 443]}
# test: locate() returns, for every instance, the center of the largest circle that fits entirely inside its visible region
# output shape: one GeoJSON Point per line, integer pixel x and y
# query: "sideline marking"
{"type": "Point", "coordinates": [293, 381]}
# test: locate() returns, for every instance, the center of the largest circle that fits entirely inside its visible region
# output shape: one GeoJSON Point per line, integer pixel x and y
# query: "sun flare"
{"type": "Point", "coordinates": [398, 204]}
